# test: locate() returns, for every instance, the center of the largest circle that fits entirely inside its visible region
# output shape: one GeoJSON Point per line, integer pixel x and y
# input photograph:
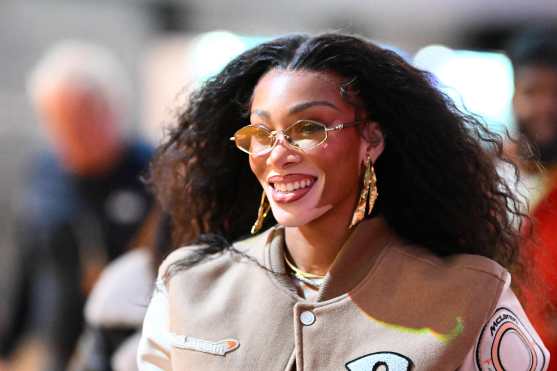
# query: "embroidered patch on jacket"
{"type": "Point", "coordinates": [212, 347]}
{"type": "Point", "coordinates": [390, 361]}
{"type": "Point", "coordinates": [505, 341]}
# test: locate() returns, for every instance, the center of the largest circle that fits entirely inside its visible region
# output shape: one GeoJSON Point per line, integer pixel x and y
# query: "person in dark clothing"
{"type": "Point", "coordinates": [83, 199]}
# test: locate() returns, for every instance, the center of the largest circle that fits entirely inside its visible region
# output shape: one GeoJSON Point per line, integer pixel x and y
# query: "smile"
{"type": "Point", "coordinates": [294, 186]}
{"type": "Point", "coordinates": [290, 188]}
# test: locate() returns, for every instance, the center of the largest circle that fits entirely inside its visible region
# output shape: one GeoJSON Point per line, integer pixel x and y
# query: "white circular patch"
{"type": "Point", "coordinates": [506, 344]}
{"type": "Point", "coordinates": [125, 207]}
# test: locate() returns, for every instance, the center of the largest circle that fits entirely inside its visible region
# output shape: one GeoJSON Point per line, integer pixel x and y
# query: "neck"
{"type": "Point", "coordinates": [314, 246]}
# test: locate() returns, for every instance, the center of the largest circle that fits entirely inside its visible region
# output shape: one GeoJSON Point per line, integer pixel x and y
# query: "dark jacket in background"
{"type": "Point", "coordinates": [68, 227]}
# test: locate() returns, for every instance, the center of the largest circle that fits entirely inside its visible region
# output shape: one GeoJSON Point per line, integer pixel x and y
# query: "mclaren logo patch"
{"type": "Point", "coordinates": [506, 344]}
{"type": "Point", "coordinates": [212, 347]}
{"type": "Point", "coordinates": [388, 361]}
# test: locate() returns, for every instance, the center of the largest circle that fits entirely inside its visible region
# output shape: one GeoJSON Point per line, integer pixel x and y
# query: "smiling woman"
{"type": "Point", "coordinates": [392, 224]}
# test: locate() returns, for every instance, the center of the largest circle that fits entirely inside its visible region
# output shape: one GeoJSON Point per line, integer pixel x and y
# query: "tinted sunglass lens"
{"type": "Point", "coordinates": [306, 134]}
{"type": "Point", "coordinates": [252, 139]}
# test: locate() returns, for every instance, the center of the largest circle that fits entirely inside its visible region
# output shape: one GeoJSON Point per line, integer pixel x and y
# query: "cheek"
{"type": "Point", "coordinates": [336, 155]}
{"type": "Point", "coordinates": [341, 168]}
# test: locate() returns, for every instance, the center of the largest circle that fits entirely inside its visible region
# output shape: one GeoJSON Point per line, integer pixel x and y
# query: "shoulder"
{"type": "Point", "coordinates": [47, 196]}
{"type": "Point", "coordinates": [445, 294]}
{"type": "Point", "coordinates": [251, 247]}
{"type": "Point", "coordinates": [452, 280]}
{"type": "Point", "coordinates": [454, 265]}
{"type": "Point", "coordinates": [456, 281]}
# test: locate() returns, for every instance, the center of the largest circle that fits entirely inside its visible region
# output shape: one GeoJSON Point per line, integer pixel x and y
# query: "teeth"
{"type": "Point", "coordinates": [289, 187]}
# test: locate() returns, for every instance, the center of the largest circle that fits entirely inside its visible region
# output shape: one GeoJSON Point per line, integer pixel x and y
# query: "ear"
{"type": "Point", "coordinates": [373, 141]}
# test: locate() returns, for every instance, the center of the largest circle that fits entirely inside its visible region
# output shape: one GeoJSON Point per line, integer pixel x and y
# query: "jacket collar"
{"type": "Point", "coordinates": [355, 259]}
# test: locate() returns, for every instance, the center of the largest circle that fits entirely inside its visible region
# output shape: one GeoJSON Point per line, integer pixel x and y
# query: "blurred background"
{"type": "Point", "coordinates": [167, 47]}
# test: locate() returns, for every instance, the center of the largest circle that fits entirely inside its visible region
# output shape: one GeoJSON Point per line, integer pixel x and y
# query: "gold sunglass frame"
{"type": "Point", "coordinates": [273, 134]}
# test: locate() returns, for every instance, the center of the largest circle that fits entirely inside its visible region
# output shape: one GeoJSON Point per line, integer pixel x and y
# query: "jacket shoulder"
{"type": "Point", "coordinates": [455, 265]}
{"type": "Point", "coordinates": [452, 295]}
{"type": "Point", "coordinates": [251, 247]}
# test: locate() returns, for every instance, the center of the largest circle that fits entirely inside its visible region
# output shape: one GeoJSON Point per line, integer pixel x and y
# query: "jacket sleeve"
{"type": "Point", "coordinates": [507, 341]}
{"type": "Point", "coordinates": [154, 346]}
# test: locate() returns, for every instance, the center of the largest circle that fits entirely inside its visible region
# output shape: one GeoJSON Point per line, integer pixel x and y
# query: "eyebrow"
{"type": "Point", "coordinates": [299, 108]}
{"type": "Point", "coordinates": [305, 105]}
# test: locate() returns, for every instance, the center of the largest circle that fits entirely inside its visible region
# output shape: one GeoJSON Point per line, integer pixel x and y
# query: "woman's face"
{"type": "Point", "coordinates": [303, 186]}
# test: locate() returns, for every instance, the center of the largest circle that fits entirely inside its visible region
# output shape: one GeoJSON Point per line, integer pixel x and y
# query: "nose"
{"type": "Point", "coordinates": [282, 155]}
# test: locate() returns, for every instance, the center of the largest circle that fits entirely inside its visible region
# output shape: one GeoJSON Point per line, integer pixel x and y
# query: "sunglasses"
{"type": "Point", "coordinates": [302, 135]}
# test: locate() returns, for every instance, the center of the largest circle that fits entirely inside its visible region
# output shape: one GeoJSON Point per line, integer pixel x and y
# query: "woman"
{"type": "Point", "coordinates": [391, 217]}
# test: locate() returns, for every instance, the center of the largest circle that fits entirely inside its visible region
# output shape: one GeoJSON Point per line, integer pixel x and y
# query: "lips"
{"type": "Point", "coordinates": [291, 187]}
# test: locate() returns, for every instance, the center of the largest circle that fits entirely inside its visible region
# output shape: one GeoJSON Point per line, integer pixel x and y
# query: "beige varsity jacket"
{"type": "Point", "coordinates": [384, 305]}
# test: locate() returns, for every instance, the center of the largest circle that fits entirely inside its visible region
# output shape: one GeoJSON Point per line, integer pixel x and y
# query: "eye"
{"type": "Point", "coordinates": [308, 128]}
{"type": "Point", "coordinates": [260, 134]}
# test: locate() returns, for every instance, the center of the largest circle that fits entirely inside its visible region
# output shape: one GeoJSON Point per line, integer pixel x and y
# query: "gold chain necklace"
{"type": "Point", "coordinates": [300, 273]}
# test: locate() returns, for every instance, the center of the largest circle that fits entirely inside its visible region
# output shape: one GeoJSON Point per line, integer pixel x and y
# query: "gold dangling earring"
{"type": "Point", "coordinates": [368, 194]}
{"type": "Point", "coordinates": [264, 208]}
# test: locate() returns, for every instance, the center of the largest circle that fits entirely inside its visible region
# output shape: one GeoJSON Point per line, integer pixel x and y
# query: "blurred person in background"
{"type": "Point", "coordinates": [533, 54]}
{"type": "Point", "coordinates": [83, 199]}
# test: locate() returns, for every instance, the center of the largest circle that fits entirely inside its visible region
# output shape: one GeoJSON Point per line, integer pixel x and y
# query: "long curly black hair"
{"type": "Point", "coordinates": [437, 179]}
